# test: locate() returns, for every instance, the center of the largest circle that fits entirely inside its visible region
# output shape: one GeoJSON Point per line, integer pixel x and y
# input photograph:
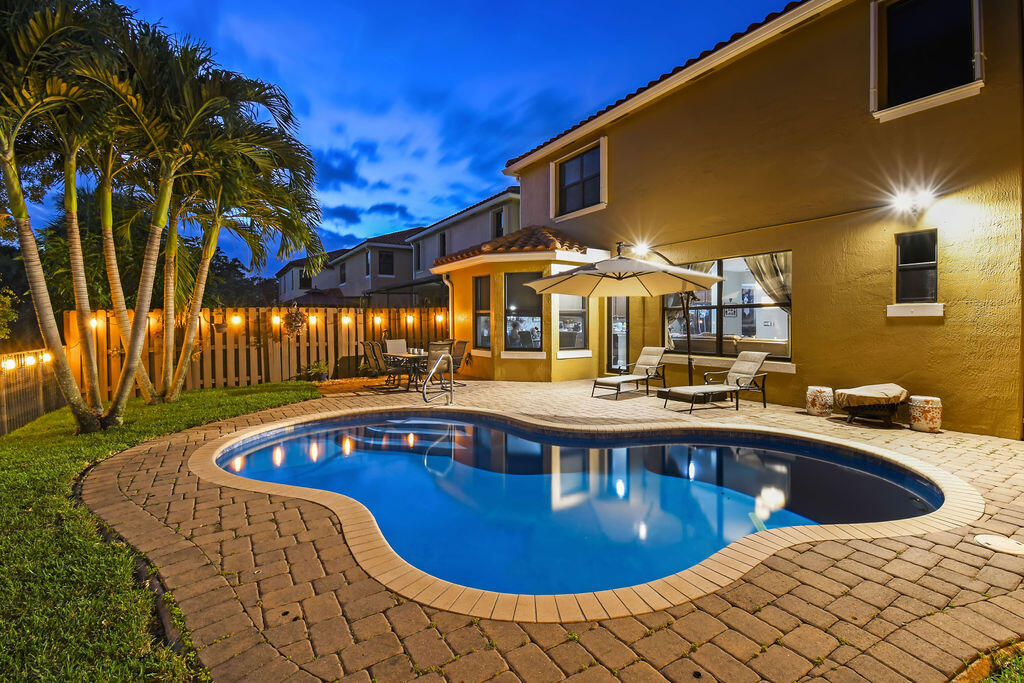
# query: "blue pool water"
{"type": "Point", "coordinates": [500, 508]}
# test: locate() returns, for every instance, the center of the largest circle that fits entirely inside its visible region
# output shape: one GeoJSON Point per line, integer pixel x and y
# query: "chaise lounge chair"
{"type": "Point", "coordinates": [744, 375]}
{"type": "Point", "coordinates": [647, 367]}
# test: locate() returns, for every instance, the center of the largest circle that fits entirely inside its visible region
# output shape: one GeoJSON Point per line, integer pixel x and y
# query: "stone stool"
{"type": "Point", "coordinates": [819, 401]}
{"type": "Point", "coordinates": [925, 413]}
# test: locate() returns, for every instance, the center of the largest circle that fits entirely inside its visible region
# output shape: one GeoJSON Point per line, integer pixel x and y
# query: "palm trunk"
{"type": "Point", "coordinates": [86, 335]}
{"type": "Point", "coordinates": [170, 284]}
{"type": "Point", "coordinates": [85, 419]}
{"type": "Point", "coordinates": [115, 411]}
{"type": "Point", "coordinates": [195, 306]}
{"type": "Point", "coordinates": [105, 198]}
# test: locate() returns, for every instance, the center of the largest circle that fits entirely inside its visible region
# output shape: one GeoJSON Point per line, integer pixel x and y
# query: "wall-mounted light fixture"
{"type": "Point", "coordinates": [912, 201]}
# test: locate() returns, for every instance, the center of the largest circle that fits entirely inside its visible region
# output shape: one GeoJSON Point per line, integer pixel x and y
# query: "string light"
{"type": "Point", "coordinates": [236, 320]}
{"type": "Point", "coordinates": [312, 320]}
{"type": "Point", "coordinates": [276, 320]}
{"type": "Point", "coordinates": [376, 320]}
{"type": "Point", "coordinates": [439, 317]}
{"type": "Point", "coordinates": [345, 320]}
{"type": "Point", "coordinates": [93, 322]}
{"type": "Point", "coordinates": [47, 357]}
{"type": "Point", "coordinates": [8, 364]}
{"type": "Point", "coordinates": [30, 360]}
{"type": "Point", "coordinates": [409, 319]}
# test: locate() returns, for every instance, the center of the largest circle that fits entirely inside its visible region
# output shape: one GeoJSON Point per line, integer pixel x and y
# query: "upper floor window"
{"type": "Point", "coordinates": [367, 263]}
{"type": "Point", "coordinates": [923, 48]}
{"type": "Point", "coordinates": [917, 267]}
{"type": "Point", "coordinates": [305, 280]}
{"type": "Point", "coordinates": [748, 310]}
{"type": "Point", "coordinates": [341, 273]}
{"type": "Point", "coordinates": [498, 223]}
{"type": "Point", "coordinates": [442, 244]}
{"type": "Point", "coordinates": [385, 262]}
{"type": "Point", "coordinates": [579, 181]}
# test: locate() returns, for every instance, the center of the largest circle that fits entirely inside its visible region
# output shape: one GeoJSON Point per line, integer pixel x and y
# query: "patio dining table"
{"type": "Point", "coordinates": [408, 360]}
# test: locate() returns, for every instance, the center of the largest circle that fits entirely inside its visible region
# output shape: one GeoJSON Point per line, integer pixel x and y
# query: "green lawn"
{"type": "Point", "coordinates": [69, 605]}
{"type": "Point", "coordinates": [1010, 671]}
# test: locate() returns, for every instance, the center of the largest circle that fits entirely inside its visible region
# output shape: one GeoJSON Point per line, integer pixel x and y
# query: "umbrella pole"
{"type": "Point", "coordinates": [689, 350]}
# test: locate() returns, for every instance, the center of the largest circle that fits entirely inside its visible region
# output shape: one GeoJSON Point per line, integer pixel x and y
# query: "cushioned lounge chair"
{"type": "Point", "coordinates": [647, 367]}
{"type": "Point", "coordinates": [744, 375]}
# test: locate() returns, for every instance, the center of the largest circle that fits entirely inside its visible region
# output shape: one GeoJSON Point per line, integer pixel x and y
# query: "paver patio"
{"type": "Point", "coordinates": [270, 590]}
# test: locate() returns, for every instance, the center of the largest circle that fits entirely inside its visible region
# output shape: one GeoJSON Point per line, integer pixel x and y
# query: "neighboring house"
{"type": "Point", "coordinates": [294, 284]}
{"type": "Point", "coordinates": [493, 217]}
{"type": "Point", "coordinates": [376, 263]}
{"type": "Point", "coordinates": [851, 168]}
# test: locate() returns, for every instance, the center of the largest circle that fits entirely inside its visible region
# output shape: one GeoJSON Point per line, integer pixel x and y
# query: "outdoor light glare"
{"type": "Point", "coordinates": [411, 438]}
{"type": "Point", "coordinates": [346, 446]}
{"type": "Point", "coordinates": [9, 364]}
{"type": "Point", "coordinates": [912, 201]}
{"type": "Point", "coordinates": [620, 488]}
{"type": "Point", "coordinates": [312, 320]}
{"type": "Point", "coordinates": [278, 456]}
{"type": "Point", "coordinates": [376, 320]}
{"type": "Point", "coordinates": [30, 360]}
{"type": "Point", "coordinates": [642, 249]}
{"type": "Point", "coordinates": [236, 320]}
{"type": "Point", "coordinates": [276, 320]}
{"type": "Point", "coordinates": [345, 320]}
{"type": "Point", "coordinates": [47, 357]}
{"type": "Point", "coordinates": [314, 452]}
{"type": "Point", "coordinates": [439, 317]}
{"type": "Point", "coordinates": [237, 462]}
{"type": "Point", "coordinates": [93, 322]}
{"type": "Point", "coordinates": [409, 319]}
{"type": "Point", "coordinates": [641, 531]}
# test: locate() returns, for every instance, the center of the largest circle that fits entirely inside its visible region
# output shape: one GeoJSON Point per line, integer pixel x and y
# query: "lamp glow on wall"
{"type": "Point", "coordinates": [912, 201]}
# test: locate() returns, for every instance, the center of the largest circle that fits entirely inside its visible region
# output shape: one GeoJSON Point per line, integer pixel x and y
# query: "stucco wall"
{"type": "Point", "coordinates": [779, 151]}
{"type": "Point", "coordinates": [466, 231]}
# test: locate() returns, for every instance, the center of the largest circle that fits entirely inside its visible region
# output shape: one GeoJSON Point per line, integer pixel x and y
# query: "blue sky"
{"type": "Point", "coordinates": [412, 108]}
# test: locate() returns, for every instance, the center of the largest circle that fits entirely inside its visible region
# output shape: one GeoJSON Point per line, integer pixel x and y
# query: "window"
{"type": "Point", "coordinates": [341, 273]}
{"type": "Point", "coordinates": [498, 223]}
{"type": "Point", "coordinates": [925, 47]}
{"type": "Point", "coordinates": [442, 244]}
{"type": "Point", "coordinates": [618, 333]}
{"type": "Point", "coordinates": [748, 311]}
{"type": "Point", "coordinates": [579, 181]}
{"type": "Point", "coordinates": [385, 262]}
{"type": "Point", "coordinates": [916, 267]}
{"type": "Point", "coordinates": [523, 311]}
{"type": "Point", "coordinates": [367, 262]}
{"type": "Point", "coordinates": [305, 280]}
{"type": "Point", "coordinates": [572, 321]}
{"type": "Point", "coordinates": [482, 312]}
{"type": "Point", "coordinates": [417, 256]}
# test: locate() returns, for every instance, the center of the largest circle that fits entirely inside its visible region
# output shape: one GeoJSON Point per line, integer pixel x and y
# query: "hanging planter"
{"type": "Point", "coordinates": [294, 321]}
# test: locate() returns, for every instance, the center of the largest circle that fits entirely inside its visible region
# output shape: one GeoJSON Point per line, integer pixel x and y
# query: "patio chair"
{"type": "Point", "coordinates": [435, 350]}
{"type": "Point", "coordinates": [744, 375]}
{"type": "Point", "coordinates": [648, 366]}
{"type": "Point", "coordinates": [458, 355]}
{"type": "Point", "coordinates": [396, 346]}
{"type": "Point", "coordinates": [391, 371]}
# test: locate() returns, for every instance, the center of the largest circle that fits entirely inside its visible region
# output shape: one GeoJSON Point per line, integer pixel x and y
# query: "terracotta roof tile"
{"type": "Point", "coordinates": [532, 238]}
{"type": "Point", "coordinates": [736, 36]}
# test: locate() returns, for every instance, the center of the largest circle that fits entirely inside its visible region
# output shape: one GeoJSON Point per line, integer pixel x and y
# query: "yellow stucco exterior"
{"type": "Point", "coordinates": [778, 150]}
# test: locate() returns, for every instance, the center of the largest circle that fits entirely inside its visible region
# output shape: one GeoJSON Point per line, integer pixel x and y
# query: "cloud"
{"type": "Point", "coordinates": [391, 209]}
{"type": "Point", "coordinates": [336, 168]}
{"type": "Point", "coordinates": [349, 215]}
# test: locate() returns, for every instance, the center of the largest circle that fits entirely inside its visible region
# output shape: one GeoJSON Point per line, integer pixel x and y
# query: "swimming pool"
{"type": "Point", "coordinates": [486, 504]}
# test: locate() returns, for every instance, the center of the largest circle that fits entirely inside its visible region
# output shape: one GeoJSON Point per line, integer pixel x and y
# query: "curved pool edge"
{"type": "Point", "coordinates": [962, 505]}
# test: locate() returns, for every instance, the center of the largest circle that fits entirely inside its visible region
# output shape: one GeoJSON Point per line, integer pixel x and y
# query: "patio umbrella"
{"type": "Point", "coordinates": [626, 276]}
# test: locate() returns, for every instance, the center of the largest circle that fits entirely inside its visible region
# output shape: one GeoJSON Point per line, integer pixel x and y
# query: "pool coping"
{"type": "Point", "coordinates": [962, 505]}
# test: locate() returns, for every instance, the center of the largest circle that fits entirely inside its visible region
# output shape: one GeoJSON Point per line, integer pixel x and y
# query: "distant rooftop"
{"type": "Point", "coordinates": [532, 238]}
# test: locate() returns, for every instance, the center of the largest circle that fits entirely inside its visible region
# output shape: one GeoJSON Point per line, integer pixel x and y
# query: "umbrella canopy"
{"type": "Point", "coordinates": [624, 276]}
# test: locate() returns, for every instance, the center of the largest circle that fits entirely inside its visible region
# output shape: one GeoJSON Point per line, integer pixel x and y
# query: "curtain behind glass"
{"type": "Point", "coordinates": [772, 273]}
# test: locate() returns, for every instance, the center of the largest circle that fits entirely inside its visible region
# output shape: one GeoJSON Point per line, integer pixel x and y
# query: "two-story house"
{"type": "Point", "coordinates": [850, 168]}
{"type": "Point", "coordinates": [377, 263]}
{"type": "Point", "coordinates": [488, 219]}
{"type": "Point", "coordinates": [295, 285]}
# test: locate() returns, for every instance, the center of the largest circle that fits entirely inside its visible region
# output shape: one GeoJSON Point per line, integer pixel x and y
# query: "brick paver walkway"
{"type": "Point", "coordinates": [270, 590]}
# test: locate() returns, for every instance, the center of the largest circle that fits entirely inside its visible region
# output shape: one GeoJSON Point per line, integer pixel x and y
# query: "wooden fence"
{"type": "Point", "coordinates": [28, 388]}
{"type": "Point", "coordinates": [246, 346]}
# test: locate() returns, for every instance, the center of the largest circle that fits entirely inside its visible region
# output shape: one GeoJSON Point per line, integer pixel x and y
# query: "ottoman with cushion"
{"type": "Point", "coordinates": [877, 401]}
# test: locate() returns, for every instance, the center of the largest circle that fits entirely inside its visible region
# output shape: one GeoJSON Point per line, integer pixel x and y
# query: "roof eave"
{"type": "Point", "coordinates": [465, 213]}
{"type": "Point", "coordinates": [716, 59]}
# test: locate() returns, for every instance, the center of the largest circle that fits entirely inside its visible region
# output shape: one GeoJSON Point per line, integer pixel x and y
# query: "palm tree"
{"type": "Point", "coordinates": [35, 43]}
{"type": "Point", "coordinates": [260, 186]}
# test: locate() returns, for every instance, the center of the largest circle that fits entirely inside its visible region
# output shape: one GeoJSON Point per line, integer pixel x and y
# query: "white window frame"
{"type": "Point", "coordinates": [553, 182]}
{"type": "Point", "coordinates": [952, 95]}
